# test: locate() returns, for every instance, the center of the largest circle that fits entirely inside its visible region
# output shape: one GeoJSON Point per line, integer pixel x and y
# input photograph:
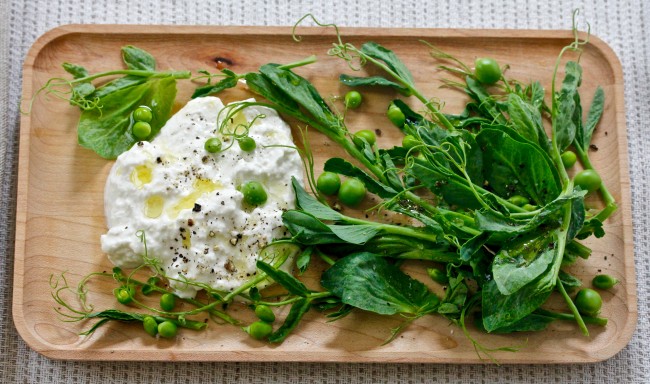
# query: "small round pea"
{"type": "Point", "coordinates": [353, 99]}
{"type": "Point", "coordinates": [409, 141]}
{"type": "Point", "coordinates": [569, 159]}
{"type": "Point", "coordinates": [328, 183]}
{"type": "Point", "coordinates": [150, 325]}
{"type": "Point", "coordinates": [588, 180]}
{"type": "Point", "coordinates": [141, 130]}
{"type": "Point", "coordinates": [259, 330]}
{"type": "Point", "coordinates": [518, 200]}
{"type": "Point", "coordinates": [143, 114]}
{"type": "Point", "coordinates": [351, 193]}
{"type": "Point", "coordinates": [604, 281]}
{"type": "Point", "coordinates": [588, 302]}
{"type": "Point", "coordinates": [437, 275]}
{"type": "Point", "coordinates": [167, 302]}
{"type": "Point", "coordinates": [368, 135]}
{"type": "Point", "coordinates": [247, 144]}
{"type": "Point", "coordinates": [167, 329]}
{"type": "Point", "coordinates": [212, 145]}
{"type": "Point", "coordinates": [124, 294]}
{"type": "Point", "coordinates": [487, 70]}
{"type": "Point", "coordinates": [254, 193]}
{"type": "Point", "coordinates": [265, 313]}
{"type": "Point", "coordinates": [395, 115]}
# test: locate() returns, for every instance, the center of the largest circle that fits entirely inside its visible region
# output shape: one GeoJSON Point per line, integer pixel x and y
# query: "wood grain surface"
{"type": "Point", "coordinates": [60, 195]}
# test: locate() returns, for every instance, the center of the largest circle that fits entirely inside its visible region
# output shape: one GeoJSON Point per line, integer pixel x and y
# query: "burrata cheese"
{"type": "Point", "coordinates": [186, 202]}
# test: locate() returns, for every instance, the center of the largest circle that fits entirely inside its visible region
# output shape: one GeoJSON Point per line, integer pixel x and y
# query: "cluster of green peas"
{"type": "Point", "coordinates": [167, 328]}
{"type": "Point", "coordinates": [262, 328]}
{"type": "Point", "coordinates": [142, 117]}
{"type": "Point", "coordinates": [253, 191]}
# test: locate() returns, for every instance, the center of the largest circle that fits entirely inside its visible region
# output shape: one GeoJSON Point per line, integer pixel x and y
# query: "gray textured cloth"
{"type": "Point", "coordinates": [624, 25]}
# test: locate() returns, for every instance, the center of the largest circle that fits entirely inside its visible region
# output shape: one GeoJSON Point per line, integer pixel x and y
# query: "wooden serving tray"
{"type": "Point", "coordinates": [60, 194]}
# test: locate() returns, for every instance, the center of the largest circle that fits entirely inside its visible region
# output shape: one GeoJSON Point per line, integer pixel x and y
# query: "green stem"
{"type": "Point", "coordinates": [134, 72]}
{"type": "Point", "coordinates": [577, 317]}
{"type": "Point", "coordinates": [308, 60]}
{"type": "Point", "coordinates": [565, 316]}
{"type": "Point", "coordinates": [312, 296]}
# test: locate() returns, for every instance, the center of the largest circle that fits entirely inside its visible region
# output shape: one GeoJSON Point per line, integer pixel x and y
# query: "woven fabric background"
{"type": "Point", "coordinates": [624, 25]}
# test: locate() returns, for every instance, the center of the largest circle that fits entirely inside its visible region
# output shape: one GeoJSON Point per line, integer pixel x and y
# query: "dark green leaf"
{"type": "Point", "coordinates": [511, 163]}
{"type": "Point", "coordinates": [531, 323]}
{"type": "Point", "coordinates": [391, 60]}
{"type": "Point", "coordinates": [486, 103]}
{"type": "Point", "coordinates": [298, 310]}
{"type": "Point", "coordinates": [117, 85]}
{"type": "Point", "coordinates": [355, 234]}
{"type": "Point", "coordinates": [369, 282]}
{"type": "Point", "coordinates": [265, 88]}
{"type": "Point", "coordinates": [283, 278]}
{"type": "Point", "coordinates": [308, 229]}
{"type": "Point", "coordinates": [353, 81]}
{"type": "Point", "coordinates": [583, 136]}
{"type": "Point", "coordinates": [525, 118]}
{"type": "Point", "coordinates": [472, 245]}
{"type": "Point", "coordinates": [208, 89]}
{"type": "Point", "coordinates": [107, 131]}
{"type": "Point", "coordinates": [569, 281]}
{"type": "Point", "coordinates": [77, 71]}
{"type": "Point", "coordinates": [138, 59]}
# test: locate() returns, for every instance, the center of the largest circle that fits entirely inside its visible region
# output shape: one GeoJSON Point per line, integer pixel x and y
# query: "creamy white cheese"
{"type": "Point", "coordinates": [185, 200]}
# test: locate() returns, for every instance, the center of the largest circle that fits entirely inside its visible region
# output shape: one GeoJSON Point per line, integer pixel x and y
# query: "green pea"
{"type": "Point", "coordinates": [167, 302]}
{"type": "Point", "coordinates": [124, 294]}
{"type": "Point", "coordinates": [351, 193]}
{"type": "Point", "coordinates": [395, 115]}
{"type": "Point", "coordinates": [588, 180]}
{"type": "Point", "coordinates": [265, 313]}
{"type": "Point", "coordinates": [141, 130]}
{"type": "Point", "coordinates": [518, 200]}
{"type": "Point", "coordinates": [328, 183]}
{"type": "Point", "coordinates": [247, 144]}
{"type": "Point", "coordinates": [212, 145]}
{"type": "Point", "coordinates": [167, 329]}
{"type": "Point", "coordinates": [588, 302]}
{"type": "Point", "coordinates": [409, 141]}
{"type": "Point", "coordinates": [568, 159]}
{"type": "Point", "coordinates": [143, 114]}
{"type": "Point", "coordinates": [487, 70]}
{"type": "Point", "coordinates": [438, 276]}
{"type": "Point", "coordinates": [368, 135]}
{"type": "Point", "coordinates": [353, 99]}
{"type": "Point", "coordinates": [150, 325]}
{"type": "Point", "coordinates": [259, 330]}
{"type": "Point", "coordinates": [254, 193]}
{"type": "Point", "coordinates": [604, 281]}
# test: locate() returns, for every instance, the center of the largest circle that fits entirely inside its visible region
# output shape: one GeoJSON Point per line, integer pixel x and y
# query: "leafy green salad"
{"type": "Point", "coordinates": [493, 215]}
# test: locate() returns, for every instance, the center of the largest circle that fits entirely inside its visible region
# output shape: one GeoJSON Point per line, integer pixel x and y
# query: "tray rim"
{"type": "Point", "coordinates": [349, 356]}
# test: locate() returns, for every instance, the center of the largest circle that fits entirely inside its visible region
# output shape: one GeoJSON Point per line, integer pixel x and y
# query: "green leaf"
{"type": "Point", "coordinates": [391, 60]}
{"type": "Point", "coordinates": [77, 71]}
{"type": "Point", "coordinates": [309, 204]}
{"type": "Point", "coordinates": [138, 59]}
{"type": "Point", "coordinates": [369, 282]}
{"type": "Point", "coordinates": [304, 258]}
{"type": "Point", "coordinates": [583, 136]}
{"type": "Point", "coordinates": [520, 262]}
{"type": "Point", "coordinates": [511, 163]}
{"type": "Point", "coordinates": [303, 93]}
{"type": "Point", "coordinates": [230, 81]}
{"type": "Point", "coordinates": [525, 118]}
{"type": "Point", "coordinates": [353, 81]}
{"type": "Point", "coordinates": [338, 165]}
{"type": "Point", "coordinates": [117, 85]}
{"type": "Point", "coordinates": [283, 278]}
{"type": "Point", "coordinates": [297, 312]}
{"type": "Point", "coordinates": [355, 234]}
{"type": "Point", "coordinates": [265, 88]}
{"type": "Point", "coordinates": [569, 281]}
{"type": "Point", "coordinates": [486, 103]}
{"type": "Point", "coordinates": [472, 245]}
{"type": "Point", "coordinates": [107, 131]}
{"type": "Point", "coordinates": [308, 229]}
{"type": "Point", "coordinates": [565, 126]}
{"type": "Point", "coordinates": [531, 323]}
